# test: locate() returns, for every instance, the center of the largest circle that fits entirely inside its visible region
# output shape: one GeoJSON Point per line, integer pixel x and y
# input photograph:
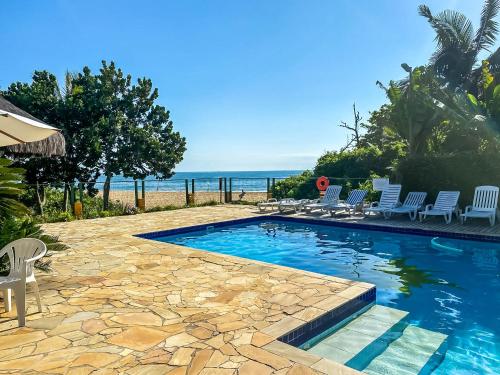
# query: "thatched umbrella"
{"type": "Point", "coordinates": [23, 133]}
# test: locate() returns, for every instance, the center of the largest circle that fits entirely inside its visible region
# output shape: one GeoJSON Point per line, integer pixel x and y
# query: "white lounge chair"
{"type": "Point", "coordinates": [22, 256]}
{"type": "Point", "coordinates": [353, 202]}
{"type": "Point", "coordinates": [388, 200]}
{"type": "Point", "coordinates": [271, 203]}
{"type": "Point", "coordinates": [331, 197]}
{"type": "Point", "coordinates": [414, 201]}
{"type": "Point", "coordinates": [484, 204]}
{"type": "Point", "coordinates": [292, 204]}
{"type": "Point", "coordinates": [446, 205]}
{"type": "Point", "coordinates": [379, 184]}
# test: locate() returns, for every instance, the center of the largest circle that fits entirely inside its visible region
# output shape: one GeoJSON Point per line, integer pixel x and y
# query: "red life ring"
{"type": "Point", "coordinates": [322, 183]}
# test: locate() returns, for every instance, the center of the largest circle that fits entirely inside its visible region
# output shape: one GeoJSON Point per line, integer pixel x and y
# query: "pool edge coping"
{"type": "Point", "coordinates": [319, 221]}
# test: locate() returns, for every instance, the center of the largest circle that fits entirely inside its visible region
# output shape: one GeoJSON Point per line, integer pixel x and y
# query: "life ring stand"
{"type": "Point", "coordinates": [322, 183]}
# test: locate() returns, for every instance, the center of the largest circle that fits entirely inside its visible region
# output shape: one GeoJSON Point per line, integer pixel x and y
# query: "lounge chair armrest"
{"type": "Point", "coordinates": [428, 207]}
{"type": "Point", "coordinates": [374, 204]}
{"type": "Point", "coordinates": [468, 208]}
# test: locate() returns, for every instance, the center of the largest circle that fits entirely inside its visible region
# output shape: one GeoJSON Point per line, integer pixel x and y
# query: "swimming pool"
{"type": "Point", "coordinates": [447, 285]}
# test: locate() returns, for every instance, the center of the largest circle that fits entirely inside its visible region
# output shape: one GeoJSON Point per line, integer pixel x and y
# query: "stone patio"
{"type": "Point", "coordinates": [116, 303]}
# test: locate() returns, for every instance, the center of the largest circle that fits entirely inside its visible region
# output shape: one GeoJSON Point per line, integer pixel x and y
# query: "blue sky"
{"type": "Point", "coordinates": [252, 85]}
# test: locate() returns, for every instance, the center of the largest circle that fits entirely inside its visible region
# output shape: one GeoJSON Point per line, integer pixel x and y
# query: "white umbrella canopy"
{"type": "Point", "coordinates": [26, 134]}
{"type": "Point", "coordinates": [15, 129]}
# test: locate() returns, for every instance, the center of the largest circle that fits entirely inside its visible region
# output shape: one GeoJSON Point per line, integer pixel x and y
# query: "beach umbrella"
{"type": "Point", "coordinates": [25, 134]}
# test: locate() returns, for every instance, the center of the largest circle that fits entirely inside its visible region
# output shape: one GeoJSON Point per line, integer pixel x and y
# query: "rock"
{"type": "Point", "coordinates": [260, 339]}
{"type": "Point", "coordinates": [298, 369]}
{"type": "Point", "coordinates": [180, 339]}
{"type": "Point", "coordinates": [51, 344]}
{"type": "Point", "coordinates": [80, 316]}
{"type": "Point", "coordinates": [143, 319]}
{"type": "Point", "coordinates": [97, 360]}
{"type": "Point", "coordinates": [155, 357]}
{"type": "Point", "coordinates": [230, 326]}
{"type": "Point", "coordinates": [263, 356]}
{"type": "Point", "coordinates": [199, 361]}
{"type": "Point", "coordinates": [93, 326]}
{"type": "Point", "coordinates": [19, 340]}
{"type": "Point", "coordinates": [138, 338]}
{"type": "Point", "coordinates": [254, 368]}
{"type": "Point", "coordinates": [181, 357]}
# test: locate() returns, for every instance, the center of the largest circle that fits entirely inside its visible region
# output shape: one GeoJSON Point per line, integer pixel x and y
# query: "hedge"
{"type": "Point", "coordinates": [462, 172]}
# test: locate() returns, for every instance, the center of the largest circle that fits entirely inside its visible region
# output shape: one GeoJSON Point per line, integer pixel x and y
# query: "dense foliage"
{"type": "Point", "coordinates": [12, 229]}
{"type": "Point", "coordinates": [111, 126]}
{"type": "Point", "coordinates": [53, 211]}
{"type": "Point", "coordinates": [14, 220]}
{"type": "Point", "coordinates": [10, 190]}
{"type": "Point", "coordinates": [440, 127]}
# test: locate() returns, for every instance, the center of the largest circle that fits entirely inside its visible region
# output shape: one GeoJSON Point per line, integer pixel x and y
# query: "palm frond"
{"type": "Point", "coordinates": [445, 32]}
{"type": "Point", "coordinates": [459, 26]}
{"type": "Point", "coordinates": [10, 189]}
{"type": "Point", "coordinates": [488, 28]}
{"type": "Point", "coordinates": [13, 229]}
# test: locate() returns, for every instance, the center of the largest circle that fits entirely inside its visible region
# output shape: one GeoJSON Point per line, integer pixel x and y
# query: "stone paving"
{"type": "Point", "coordinates": [116, 303]}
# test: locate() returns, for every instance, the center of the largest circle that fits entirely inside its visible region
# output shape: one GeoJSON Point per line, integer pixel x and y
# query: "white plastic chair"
{"type": "Point", "coordinates": [354, 201]}
{"type": "Point", "coordinates": [484, 204]}
{"type": "Point", "coordinates": [22, 256]}
{"type": "Point", "coordinates": [331, 197]}
{"type": "Point", "coordinates": [414, 201]}
{"type": "Point", "coordinates": [388, 200]}
{"type": "Point", "coordinates": [446, 205]}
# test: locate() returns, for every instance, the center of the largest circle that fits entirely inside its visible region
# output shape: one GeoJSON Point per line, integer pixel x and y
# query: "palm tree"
{"type": "Point", "coordinates": [420, 104]}
{"type": "Point", "coordinates": [458, 46]}
{"type": "Point", "coordinates": [10, 190]}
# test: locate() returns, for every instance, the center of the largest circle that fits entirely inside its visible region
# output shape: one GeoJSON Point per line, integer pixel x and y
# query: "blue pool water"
{"type": "Point", "coordinates": [454, 291]}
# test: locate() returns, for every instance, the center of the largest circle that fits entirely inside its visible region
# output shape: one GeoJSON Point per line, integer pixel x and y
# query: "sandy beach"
{"type": "Point", "coordinates": [178, 199]}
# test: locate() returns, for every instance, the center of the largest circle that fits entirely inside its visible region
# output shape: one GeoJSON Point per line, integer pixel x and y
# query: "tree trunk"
{"type": "Point", "coordinates": [41, 196]}
{"type": "Point", "coordinates": [105, 193]}
{"type": "Point", "coordinates": [65, 197]}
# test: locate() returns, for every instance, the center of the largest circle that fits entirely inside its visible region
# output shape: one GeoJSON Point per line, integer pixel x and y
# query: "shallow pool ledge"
{"type": "Point", "coordinates": [323, 314]}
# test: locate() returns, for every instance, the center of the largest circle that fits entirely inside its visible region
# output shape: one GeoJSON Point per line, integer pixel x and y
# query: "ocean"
{"type": "Point", "coordinates": [205, 181]}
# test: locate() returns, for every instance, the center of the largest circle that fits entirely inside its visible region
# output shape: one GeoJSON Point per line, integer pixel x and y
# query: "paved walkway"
{"type": "Point", "coordinates": [120, 304]}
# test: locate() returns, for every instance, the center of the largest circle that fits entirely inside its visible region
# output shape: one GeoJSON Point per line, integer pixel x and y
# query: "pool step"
{"type": "Point", "coordinates": [364, 337]}
{"type": "Point", "coordinates": [416, 351]}
{"type": "Point", "coordinates": [380, 341]}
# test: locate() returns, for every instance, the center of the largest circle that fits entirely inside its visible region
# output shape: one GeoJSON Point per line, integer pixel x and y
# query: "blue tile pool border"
{"type": "Point", "coordinates": [311, 329]}
{"type": "Point", "coordinates": [365, 226]}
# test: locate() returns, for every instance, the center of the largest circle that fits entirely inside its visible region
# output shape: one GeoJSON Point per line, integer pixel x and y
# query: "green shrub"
{"type": "Point", "coordinates": [93, 206]}
{"type": "Point", "coordinates": [352, 169]}
{"type": "Point", "coordinates": [13, 229]}
{"type": "Point", "coordinates": [371, 195]}
{"type": "Point", "coordinates": [162, 208]}
{"type": "Point", "coordinates": [461, 171]}
{"type": "Point", "coordinates": [301, 186]}
{"type": "Point", "coordinates": [358, 163]}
